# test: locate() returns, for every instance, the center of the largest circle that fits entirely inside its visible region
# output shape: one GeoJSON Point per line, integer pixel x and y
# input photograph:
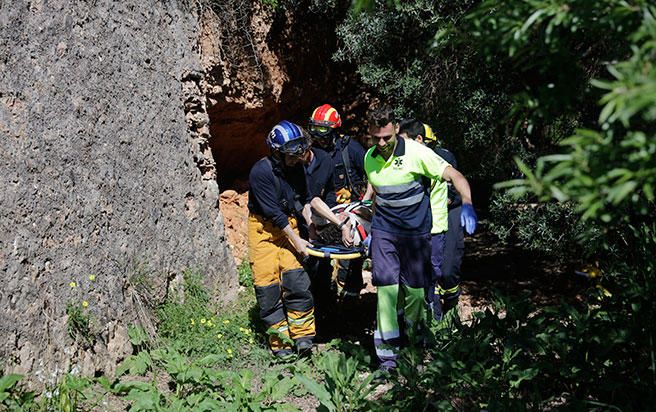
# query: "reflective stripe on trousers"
{"type": "Point", "coordinates": [392, 300]}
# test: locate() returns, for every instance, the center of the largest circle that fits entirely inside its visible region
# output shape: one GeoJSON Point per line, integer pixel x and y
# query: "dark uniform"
{"type": "Point", "coordinates": [454, 247]}
{"type": "Point", "coordinates": [320, 183]}
{"type": "Point", "coordinates": [351, 178]}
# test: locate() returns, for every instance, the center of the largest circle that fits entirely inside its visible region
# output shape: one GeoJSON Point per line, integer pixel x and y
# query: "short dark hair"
{"type": "Point", "coordinates": [380, 115]}
{"type": "Point", "coordinates": [412, 127]}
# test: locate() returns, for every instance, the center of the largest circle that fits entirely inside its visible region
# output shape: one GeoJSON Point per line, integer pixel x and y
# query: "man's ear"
{"type": "Point", "coordinates": [396, 128]}
{"type": "Point", "coordinates": [419, 138]}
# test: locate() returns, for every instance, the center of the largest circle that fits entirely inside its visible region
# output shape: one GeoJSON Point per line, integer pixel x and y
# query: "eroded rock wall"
{"type": "Point", "coordinates": [265, 65]}
{"type": "Point", "coordinates": [105, 170]}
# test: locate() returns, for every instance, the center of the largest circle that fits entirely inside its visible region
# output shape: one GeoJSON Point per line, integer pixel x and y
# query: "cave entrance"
{"type": "Point", "coordinates": [269, 67]}
{"type": "Point", "coordinates": [237, 141]}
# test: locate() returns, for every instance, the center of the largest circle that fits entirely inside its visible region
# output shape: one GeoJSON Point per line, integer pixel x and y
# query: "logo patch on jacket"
{"type": "Point", "coordinates": [398, 163]}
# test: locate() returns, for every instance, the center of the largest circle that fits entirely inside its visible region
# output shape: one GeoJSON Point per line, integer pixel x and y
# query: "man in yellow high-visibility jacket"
{"type": "Point", "coordinates": [400, 172]}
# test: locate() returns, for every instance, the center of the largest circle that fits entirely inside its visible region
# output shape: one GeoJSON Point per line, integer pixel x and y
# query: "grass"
{"type": "Point", "coordinates": [211, 358]}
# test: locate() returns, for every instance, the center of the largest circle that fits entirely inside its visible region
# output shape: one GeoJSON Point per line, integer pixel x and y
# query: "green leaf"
{"type": "Point", "coordinates": [282, 388]}
{"type": "Point", "coordinates": [9, 381]}
{"type": "Point", "coordinates": [137, 335]}
{"type": "Point", "coordinates": [136, 364]}
{"type": "Point", "coordinates": [619, 193]}
{"type": "Point", "coordinates": [317, 390]}
{"type": "Point", "coordinates": [209, 405]}
{"type": "Point", "coordinates": [128, 386]}
{"type": "Point", "coordinates": [144, 401]}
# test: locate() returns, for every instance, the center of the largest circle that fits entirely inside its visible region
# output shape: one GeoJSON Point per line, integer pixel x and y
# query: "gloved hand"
{"type": "Point", "coordinates": [468, 218]}
{"type": "Point", "coordinates": [367, 245]}
{"type": "Point", "coordinates": [343, 195]}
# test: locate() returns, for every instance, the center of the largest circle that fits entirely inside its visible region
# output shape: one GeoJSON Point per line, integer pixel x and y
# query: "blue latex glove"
{"type": "Point", "coordinates": [468, 218]}
{"type": "Point", "coordinates": [367, 244]}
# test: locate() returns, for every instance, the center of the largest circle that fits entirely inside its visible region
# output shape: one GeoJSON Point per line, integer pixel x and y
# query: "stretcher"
{"type": "Point", "coordinates": [329, 245]}
{"type": "Point", "coordinates": [335, 252]}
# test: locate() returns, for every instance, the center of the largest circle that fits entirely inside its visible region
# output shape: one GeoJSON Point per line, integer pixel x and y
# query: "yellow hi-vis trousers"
{"type": "Point", "coordinates": [282, 287]}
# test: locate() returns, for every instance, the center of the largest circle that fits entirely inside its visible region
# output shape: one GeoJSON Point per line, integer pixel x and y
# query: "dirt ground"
{"type": "Point", "coordinates": [234, 207]}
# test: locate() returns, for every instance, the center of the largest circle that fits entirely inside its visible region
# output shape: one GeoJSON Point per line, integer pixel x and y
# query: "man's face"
{"type": "Point", "coordinates": [294, 160]}
{"type": "Point", "coordinates": [384, 137]}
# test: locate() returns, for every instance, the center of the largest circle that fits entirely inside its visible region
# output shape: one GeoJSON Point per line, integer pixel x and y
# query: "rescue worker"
{"type": "Point", "coordinates": [349, 183]}
{"type": "Point", "coordinates": [400, 171]}
{"type": "Point", "coordinates": [447, 236]}
{"type": "Point", "coordinates": [279, 204]}
{"type": "Point", "coordinates": [320, 179]}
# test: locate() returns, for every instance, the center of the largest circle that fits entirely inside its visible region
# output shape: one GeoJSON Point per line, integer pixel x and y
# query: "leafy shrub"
{"type": "Point", "coordinates": [245, 274]}
{"type": "Point", "coordinates": [79, 323]}
{"type": "Point", "coordinates": [12, 396]}
{"type": "Point", "coordinates": [551, 228]}
{"type": "Point", "coordinates": [342, 387]}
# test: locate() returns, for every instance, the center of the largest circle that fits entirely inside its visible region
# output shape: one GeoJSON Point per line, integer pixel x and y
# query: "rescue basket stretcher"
{"type": "Point", "coordinates": [329, 245]}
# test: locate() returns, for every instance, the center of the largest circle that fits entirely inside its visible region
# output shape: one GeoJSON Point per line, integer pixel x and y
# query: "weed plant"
{"type": "Point", "coordinates": [79, 323]}
{"type": "Point", "coordinates": [245, 274]}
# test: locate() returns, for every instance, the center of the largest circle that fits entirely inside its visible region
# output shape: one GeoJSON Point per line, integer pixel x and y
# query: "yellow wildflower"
{"type": "Point", "coordinates": [193, 322]}
{"type": "Point", "coordinates": [72, 284]}
{"type": "Point", "coordinates": [225, 322]}
{"type": "Point", "coordinates": [229, 351]}
{"type": "Point", "coordinates": [85, 304]}
{"type": "Point", "coordinates": [219, 336]}
{"type": "Point", "coordinates": [251, 340]}
{"type": "Point", "coordinates": [203, 321]}
{"type": "Point", "coordinates": [209, 324]}
{"type": "Point", "coordinates": [92, 277]}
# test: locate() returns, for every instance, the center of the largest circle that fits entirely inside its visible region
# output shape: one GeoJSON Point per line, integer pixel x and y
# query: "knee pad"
{"type": "Point", "coordinates": [296, 290]}
{"type": "Point", "coordinates": [269, 300]}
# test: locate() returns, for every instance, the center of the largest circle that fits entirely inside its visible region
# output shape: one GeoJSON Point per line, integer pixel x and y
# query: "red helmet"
{"type": "Point", "coordinates": [326, 116]}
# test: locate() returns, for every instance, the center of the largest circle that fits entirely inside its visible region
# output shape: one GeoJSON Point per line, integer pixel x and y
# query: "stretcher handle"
{"type": "Point", "coordinates": [329, 255]}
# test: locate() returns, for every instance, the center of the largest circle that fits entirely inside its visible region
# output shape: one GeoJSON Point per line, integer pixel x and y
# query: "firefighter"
{"type": "Point", "coordinates": [279, 205]}
{"type": "Point", "coordinates": [400, 172]}
{"type": "Point", "coordinates": [320, 178]}
{"type": "Point", "coordinates": [349, 183]}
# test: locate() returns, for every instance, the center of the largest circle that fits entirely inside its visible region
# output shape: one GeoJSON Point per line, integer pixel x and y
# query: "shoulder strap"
{"type": "Point", "coordinates": [276, 179]}
{"type": "Point", "coordinates": [346, 160]}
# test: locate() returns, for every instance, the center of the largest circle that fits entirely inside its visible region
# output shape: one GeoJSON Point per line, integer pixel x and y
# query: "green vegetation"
{"type": "Point", "coordinates": [245, 274]}
{"type": "Point", "coordinates": [346, 382]}
{"type": "Point", "coordinates": [200, 361]}
{"type": "Point", "coordinates": [522, 80]}
{"type": "Point", "coordinates": [79, 322]}
{"type": "Point", "coordinates": [560, 98]}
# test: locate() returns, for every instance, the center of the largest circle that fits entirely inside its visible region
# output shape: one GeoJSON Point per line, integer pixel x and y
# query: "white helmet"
{"type": "Point", "coordinates": [359, 215]}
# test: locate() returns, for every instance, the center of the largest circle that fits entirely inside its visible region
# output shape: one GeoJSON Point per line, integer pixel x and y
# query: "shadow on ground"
{"type": "Point", "coordinates": [490, 268]}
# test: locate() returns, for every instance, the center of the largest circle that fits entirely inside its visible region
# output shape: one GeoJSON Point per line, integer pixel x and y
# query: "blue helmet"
{"type": "Point", "coordinates": [288, 138]}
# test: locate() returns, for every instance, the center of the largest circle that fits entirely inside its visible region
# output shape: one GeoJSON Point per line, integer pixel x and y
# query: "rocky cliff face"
{"type": "Point", "coordinates": [107, 182]}
{"type": "Point", "coordinates": [266, 65]}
